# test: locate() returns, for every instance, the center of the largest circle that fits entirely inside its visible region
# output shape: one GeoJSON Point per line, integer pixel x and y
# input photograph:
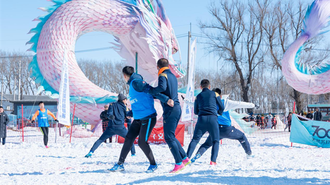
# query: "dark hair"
{"type": "Point", "coordinates": [205, 83]}
{"type": "Point", "coordinates": [163, 62]}
{"type": "Point", "coordinates": [128, 70]}
{"type": "Point", "coordinates": [217, 90]}
{"type": "Point", "coordinates": [40, 102]}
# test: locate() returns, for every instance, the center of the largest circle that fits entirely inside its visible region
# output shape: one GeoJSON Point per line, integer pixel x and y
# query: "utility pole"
{"type": "Point", "coordinates": [1, 90]}
{"type": "Point", "coordinates": [19, 80]}
{"type": "Point", "coordinates": [14, 87]}
{"type": "Point", "coordinates": [278, 99]}
{"type": "Point", "coordinates": [136, 62]}
{"type": "Point", "coordinates": [189, 38]}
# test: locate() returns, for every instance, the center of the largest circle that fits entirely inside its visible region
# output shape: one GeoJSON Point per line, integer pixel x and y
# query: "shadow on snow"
{"type": "Point", "coordinates": [211, 177]}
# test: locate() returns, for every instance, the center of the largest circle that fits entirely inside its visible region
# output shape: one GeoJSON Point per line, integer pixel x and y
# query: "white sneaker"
{"type": "Point", "coordinates": [249, 156]}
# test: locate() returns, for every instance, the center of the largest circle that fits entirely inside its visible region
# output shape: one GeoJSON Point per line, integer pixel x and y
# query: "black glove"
{"type": "Point", "coordinates": [112, 117]}
{"type": "Point", "coordinates": [32, 121]}
{"type": "Point", "coordinates": [56, 120]}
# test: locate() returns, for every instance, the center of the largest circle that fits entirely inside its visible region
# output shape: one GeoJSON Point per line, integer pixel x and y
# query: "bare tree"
{"type": "Point", "coordinates": [237, 38]}
{"type": "Point", "coordinates": [106, 74]}
{"type": "Point", "coordinates": [9, 67]}
{"type": "Point", "coordinates": [283, 24]}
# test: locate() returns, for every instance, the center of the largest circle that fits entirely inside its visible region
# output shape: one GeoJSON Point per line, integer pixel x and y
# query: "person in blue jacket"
{"type": "Point", "coordinates": [227, 131]}
{"type": "Point", "coordinates": [42, 115]}
{"type": "Point", "coordinates": [144, 115]}
{"type": "Point", "coordinates": [207, 106]}
{"type": "Point", "coordinates": [117, 113]}
{"type": "Point", "coordinates": [168, 85]}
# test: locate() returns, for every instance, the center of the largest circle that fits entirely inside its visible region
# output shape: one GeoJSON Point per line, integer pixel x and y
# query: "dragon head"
{"type": "Point", "coordinates": [162, 15]}
{"type": "Point", "coordinates": [152, 38]}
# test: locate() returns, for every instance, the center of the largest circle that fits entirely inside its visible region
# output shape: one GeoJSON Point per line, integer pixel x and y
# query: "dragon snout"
{"type": "Point", "coordinates": [175, 46]}
{"type": "Point", "coordinates": [174, 50]}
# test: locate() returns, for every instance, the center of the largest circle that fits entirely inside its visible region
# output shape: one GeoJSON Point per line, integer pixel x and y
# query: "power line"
{"type": "Point", "coordinates": [178, 36]}
{"type": "Point", "coordinates": [276, 45]}
{"type": "Point", "coordinates": [96, 49]}
{"type": "Point", "coordinates": [83, 51]}
{"type": "Point", "coordinates": [80, 51]}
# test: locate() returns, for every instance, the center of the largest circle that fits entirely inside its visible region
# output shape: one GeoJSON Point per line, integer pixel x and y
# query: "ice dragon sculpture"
{"type": "Point", "coordinates": [302, 77]}
{"type": "Point", "coordinates": [139, 26]}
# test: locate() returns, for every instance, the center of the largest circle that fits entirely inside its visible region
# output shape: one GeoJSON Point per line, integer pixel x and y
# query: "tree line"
{"type": "Point", "coordinates": [267, 94]}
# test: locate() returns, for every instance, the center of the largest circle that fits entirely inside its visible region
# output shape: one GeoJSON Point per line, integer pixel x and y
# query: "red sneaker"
{"type": "Point", "coordinates": [47, 146]}
{"type": "Point", "coordinates": [177, 168]}
{"type": "Point", "coordinates": [213, 163]}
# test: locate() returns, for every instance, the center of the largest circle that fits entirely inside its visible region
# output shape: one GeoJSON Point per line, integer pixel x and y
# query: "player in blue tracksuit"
{"type": "Point", "coordinates": [144, 115]}
{"type": "Point", "coordinates": [129, 123]}
{"type": "Point", "coordinates": [117, 113]}
{"type": "Point", "coordinates": [205, 107]}
{"type": "Point", "coordinates": [168, 85]}
{"type": "Point", "coordinates": [225, 128]}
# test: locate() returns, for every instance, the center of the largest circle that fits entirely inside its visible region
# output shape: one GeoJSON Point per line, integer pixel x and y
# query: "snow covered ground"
{"type": "Point", "coordinates": [274, 162]}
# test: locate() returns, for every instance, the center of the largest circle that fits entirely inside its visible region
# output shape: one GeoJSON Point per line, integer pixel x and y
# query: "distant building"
{"type": "Point", "coordinates": [13, 106]}
{"type": "Point", "coordinates": [324, 108]}
{"type": "Point", "coordinates": [30, 104]}
{"type": "Point", "coordinates": [8, 107]}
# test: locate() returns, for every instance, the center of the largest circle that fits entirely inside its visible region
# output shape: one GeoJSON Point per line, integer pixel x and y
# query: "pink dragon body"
{"type": "Point", "coordinates": [136, 27]}
{"type": "Point", "coordinates": [301, 77]}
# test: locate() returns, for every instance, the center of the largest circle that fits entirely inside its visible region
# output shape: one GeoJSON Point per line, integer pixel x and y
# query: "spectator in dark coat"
{"type": "Point", "coordinates": [105, 120]}
{"type": "Point", "coordinates": [318, 115]}
{"type": "Point", "coordinates": [309, 115]}
{"type": "Point", "coordinates": [252, 117]}
{"type": "Point", "coordinates": [4, 120]}
{"type": "Point", "coordinates": [274, 122]}
{"type": "Point", "coordinates": [117, 113]}
{"type": "Point", "coordinates": [289, 121]}
{"type": "Point", "coordinates": [258, 120]}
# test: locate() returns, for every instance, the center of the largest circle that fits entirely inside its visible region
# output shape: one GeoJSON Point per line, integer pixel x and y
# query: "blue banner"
{"type": "Point", "coordinates": [316, 133]}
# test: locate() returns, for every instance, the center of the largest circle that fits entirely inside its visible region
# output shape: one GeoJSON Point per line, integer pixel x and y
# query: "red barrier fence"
{"type": "Point", "coordinates": [157, 135]}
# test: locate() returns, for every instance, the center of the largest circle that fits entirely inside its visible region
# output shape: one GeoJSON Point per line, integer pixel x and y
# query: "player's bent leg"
{"type": "Point", "coordinates": [240, 136]}
{"type": "Point", "coordinates": [202, 149]}
{"type": "Point", "coordinates": [215, 136]}
{"type": "Point", "coordinates": [106, 134]}
{"type": "Point", "coordinates": [245, 144]}
{"type": "Point", "coordinates": [198, 133]}
{"type": "Point", "coordinates": [146, 128]}
{"type": "Point", "coordinates": [129, 140]}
